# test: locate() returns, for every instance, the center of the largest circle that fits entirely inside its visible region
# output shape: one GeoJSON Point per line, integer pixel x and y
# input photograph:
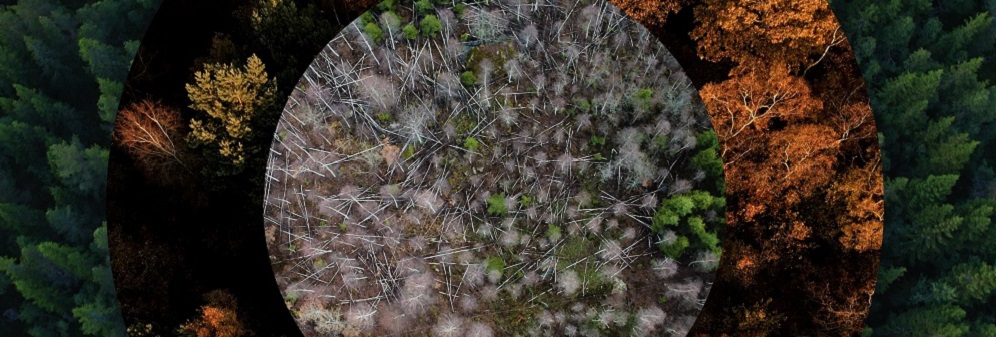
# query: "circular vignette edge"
{"type": "Point", "coordinates": [797, 139]}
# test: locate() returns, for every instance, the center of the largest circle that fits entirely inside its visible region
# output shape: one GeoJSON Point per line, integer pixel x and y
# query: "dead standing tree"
{"type": "Point", "coordinates": [153, 134]}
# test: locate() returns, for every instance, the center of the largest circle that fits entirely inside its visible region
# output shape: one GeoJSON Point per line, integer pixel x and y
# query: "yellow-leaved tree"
{"type": "Point", "coordinates": [231, 97]}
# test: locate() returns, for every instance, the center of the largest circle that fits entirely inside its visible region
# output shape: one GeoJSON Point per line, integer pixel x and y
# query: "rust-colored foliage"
{"type": "Point", "coordinates": [651, 12]}
{"type": "Point", "coordinates": [150, 132]}
{"type": "Point", "coordinates": [758, 31]}
{"type": "Point", "coordinates": [862, 224]}
{"type": "Point", "coordinates": [218, 318]}
{"type": "Point", "coordinates": [774, 155]}
{"type": "Point", "coordinates": [215, 322]}
{"type": "Point", "coordinates": [858, 185]}
{"type": "Point", "coordinates": [843, 303]}
{"type": "Point", "coordinates": [801, 160]}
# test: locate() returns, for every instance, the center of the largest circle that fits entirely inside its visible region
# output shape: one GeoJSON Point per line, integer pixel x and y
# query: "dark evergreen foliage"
{"type": "Point", "coordinates": [61, 68]}
{"type": "Point", "coordinates": [929, 70]}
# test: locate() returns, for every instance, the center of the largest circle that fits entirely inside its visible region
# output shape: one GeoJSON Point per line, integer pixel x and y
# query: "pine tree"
{"type": "Point", "coordinates": [61, 68]}
{"type": "Point", "coordinates": [925, 65]}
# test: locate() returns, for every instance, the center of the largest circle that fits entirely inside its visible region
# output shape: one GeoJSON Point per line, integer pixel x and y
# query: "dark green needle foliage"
{"type": "Point", "coordinates": [930, 71]}
{"type": "Point", "coordinates": [62, 64]}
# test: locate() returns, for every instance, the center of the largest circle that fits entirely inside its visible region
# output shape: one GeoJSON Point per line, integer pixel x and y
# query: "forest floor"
{"type": "Point", "coordinates": [489, 169]}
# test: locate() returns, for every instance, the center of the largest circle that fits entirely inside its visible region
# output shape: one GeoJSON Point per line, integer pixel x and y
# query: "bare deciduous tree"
{"type": "Point", "coordinates": [151, 132]}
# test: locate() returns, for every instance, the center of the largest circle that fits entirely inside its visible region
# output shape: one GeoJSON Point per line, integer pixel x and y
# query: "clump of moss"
{"type": "Point", "coordinates": [468, 78]}
{"type": "Point", "coordinates": [471, 144]}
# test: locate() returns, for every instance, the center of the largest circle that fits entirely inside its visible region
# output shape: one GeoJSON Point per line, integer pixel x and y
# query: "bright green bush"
{"type": "Point", "coordinates": [431, 25]}
{"type": "Point", "coordinates": [373, 31]}
{"type": "Point", "coordinates": [496, 205]}
{"type": "Point", "coordinates": [424, 7]}
{"type": "Point", "coordinates": [409, 32]}
{"type": "Point", "coordinates": [471, 144]}
{"type": "Point", "coordinates": [468, 78]}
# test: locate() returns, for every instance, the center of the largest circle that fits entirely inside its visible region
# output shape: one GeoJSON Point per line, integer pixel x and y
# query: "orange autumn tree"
{"type": "Point", "coordinates": [783, 141]}
{"type": "Point", "coordinates": [861, 190]}
{"type": "Point", "coordinates": [651, 12]}
{"type": "Point", "coordinates": [773, 156]}
{"type": "Point", "coordinates": [801, 165]}
{"type": "Point", "coordinates": [859, 186]}
{"type": "Point", "coordinates": [757, 31]}
{"type": "Point", "coordinates": [788, 148]}
{"type": "Point", "coordinates": [217, 318]}
{"type": "Point", "coordinates": [215, 322]}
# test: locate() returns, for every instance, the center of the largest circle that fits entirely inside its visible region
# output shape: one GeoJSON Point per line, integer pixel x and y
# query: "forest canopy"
{"type": "Point", "coordinates": [62, 65]}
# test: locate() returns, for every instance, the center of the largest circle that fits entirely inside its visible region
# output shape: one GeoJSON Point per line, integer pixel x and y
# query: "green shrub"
{"type": "Point", "coordinates": [525, 200]}
{"type": "Point", "coordinates": [675, 249]}
{"type": "Point", "coordinates": [367, 17]}
{"type": "Point", "coordinates": [373, 31]}
{"type": "Point", "coordinates": [292, 297]}
{"type": "Point", "coordinates": [496, 205]}
{"type": "Point", "coordinates": [409, 32]}
{"type": "Point", "coordinates": [709, 161]}
{"type": "Point", "coordinates": [553, 232]}
{"type": "Point", "coordinates": [408, 152]}
{"type": "Point", "coordinates": [680, 213]}
{"type": "Point", "coordinates": [431, 25]}
{"type": "Point", "coordinates": [384, 117]}
{"type": "Point", "coordinates": [471, 144]}
{"type": "Point", "coordinates": [659, 143]}
{"type": "Point", "coordinates": [597, 141]}
{"type": "Point", "coordinates": [424, 6]}
{"type": "Point", "coordinates": [643, 96]}
{"type": "Point", "coordinates": [386, 5]}
{"type": "Point", "coordinates": [495, 263]}
{"type": "Point", "coordinates": [582, 104]}
{"type": "Point", "coordinates": [468, 78]}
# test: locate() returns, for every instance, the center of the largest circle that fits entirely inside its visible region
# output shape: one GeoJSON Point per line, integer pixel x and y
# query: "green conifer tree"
{"type": "Point", "coordinates": [925, 66]}
{"type": "Point", "coordinates": [61, 68]}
